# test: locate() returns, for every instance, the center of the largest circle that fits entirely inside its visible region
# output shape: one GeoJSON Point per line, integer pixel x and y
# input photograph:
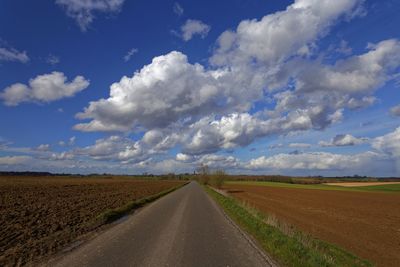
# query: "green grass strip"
{"type": "Point", "coordinates": [296, 250]}
{"type": "Point", "coordinates": [389, 188]}
{"type": "Point", "coordinates": [111, 215]}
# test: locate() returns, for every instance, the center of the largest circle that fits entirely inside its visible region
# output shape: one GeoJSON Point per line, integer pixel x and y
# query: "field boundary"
{"type": "Point", "coordinates": [112, 215]}
{"type": "Point", "coordinates": [287, 250]}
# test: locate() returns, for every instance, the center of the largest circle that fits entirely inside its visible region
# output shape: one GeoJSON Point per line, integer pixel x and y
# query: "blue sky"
{"type": "Point", "coordinates": [300, 87]}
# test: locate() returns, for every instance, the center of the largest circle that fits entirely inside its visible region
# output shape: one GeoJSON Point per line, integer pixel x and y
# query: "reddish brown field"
{"type": "Point", "coordinates": [365, 223]}
{"type": "Point", "coordinates": [40, 216]}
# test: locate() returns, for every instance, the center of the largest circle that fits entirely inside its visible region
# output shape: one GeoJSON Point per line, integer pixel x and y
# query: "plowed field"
{"type": "Point", "coordinates": [365, 223]}
{"type": "Point", "coordinates": [40, 216]}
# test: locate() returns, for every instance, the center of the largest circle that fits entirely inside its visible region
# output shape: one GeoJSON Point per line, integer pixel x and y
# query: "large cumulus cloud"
{"type": "Point", "coordinates": [204, 109]}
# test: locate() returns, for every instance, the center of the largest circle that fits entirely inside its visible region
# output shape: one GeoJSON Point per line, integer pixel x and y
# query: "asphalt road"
{"type": "Point", "coordinates": [184, 228]}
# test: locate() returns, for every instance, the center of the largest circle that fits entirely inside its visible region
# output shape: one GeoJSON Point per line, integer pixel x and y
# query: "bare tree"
{"type": "Point", "coordinates": [204, 174]}
{"type": "Point", "coordinates": [218, 178]}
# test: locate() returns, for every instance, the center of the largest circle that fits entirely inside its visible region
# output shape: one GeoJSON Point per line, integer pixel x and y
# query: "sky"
{"type": "Point", "coordinates": [304, 87]}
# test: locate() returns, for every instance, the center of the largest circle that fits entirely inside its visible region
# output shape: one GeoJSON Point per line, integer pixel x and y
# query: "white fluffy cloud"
{"type": "Point", "coordinates": [170, 89]}
{"type": "Point", "coordinates": [202, 110]}
{"type": "Point", "coordinates": [237, 130]}
{"type": "Point", "coordinates": [194, 27]}
{"type": "Point", "coordinates": [14, 160]}
{"type": "Point", "coordinates": [107, 148]}
{"type": "Point", "coordinates": [163, 92]}
{"type": "Point", "coordinates": [61, 156]}
{"type": "Point", "coordinates": [43, 147]}
{"type": "Point", "coordinates": [44, 88]}
{"type": "Point", "coordinates": [277, 36]}
{"type": "Point", "coordinates": [11, 54]}
{"type": "Point", "coordinates": [344, 140]}
{"type": "Point", "coordinates": [395, 111]}
{"type": "Point", "coordinates": [299, 145]}
{"type": "Point", "coordinates": [275, 146]}
{"type": "Point", "coordinates": [314, 161]}
{"type": "Point", "coordinates": [130, 53]}
{"type": "Point", "coordinates": [354, 75]}
{"type": "Point", "coordinates": [183, 157]}
{"type": "Point", "coordinates": [389, 143]}
{"type": "Point", "coordinates": [359, 103]}
{"type": "Point", "coordinates": [178, 9]}
{"type": "Point", "coordinates": [123, 149]}
{"type": "Point", "coordinates": [52, 59]}
{"type": "Point", "coordinates": [83, 10]}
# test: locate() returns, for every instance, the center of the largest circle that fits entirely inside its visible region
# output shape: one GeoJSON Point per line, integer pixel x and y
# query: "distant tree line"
{"type": "Point", "coordinates": [205, 175]}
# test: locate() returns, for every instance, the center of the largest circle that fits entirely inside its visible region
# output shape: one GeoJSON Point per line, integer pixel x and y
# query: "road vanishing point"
{"type": "Point", "coordinates": [183, 228]}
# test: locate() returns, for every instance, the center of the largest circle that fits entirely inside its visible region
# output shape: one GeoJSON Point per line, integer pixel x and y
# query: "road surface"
{"type": "Point", "coordinates": [184, 228]}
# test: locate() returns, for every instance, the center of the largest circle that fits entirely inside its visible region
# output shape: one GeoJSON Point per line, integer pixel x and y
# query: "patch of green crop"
{"type": "Point", "coordinates": [393, 188]}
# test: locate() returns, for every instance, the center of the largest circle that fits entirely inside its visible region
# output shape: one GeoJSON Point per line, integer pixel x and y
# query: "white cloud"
{"type": "Point", "coordinates": [83, 10]}
{"type": "Point", "coordinates": [344, 48]}
{"type": "Point", "coordinates": [183, 157]}
{"type": "Point", "coordinates": [61, 156]}
{"type": "Point", "coordinates": [170, 90]}
{"type": "Point", "coordinates": [107, 148]}
{"type": "Point", "coordinates": [395, 111]}
{"type": "Point", "coordinates": [43, 147]}
{"type": "Point", "coordinates": [194, 27]}
{"type": "Point", "coordinates": [299, 145]}
{"type": "Point", "coordinates": [209, 135]}
{"type": "Point", "coordinates": [314, 161]}
{"type": "Point", "coordinates": [118, 148]}
{"type": "Point", "coordinates": [11, 54]}
{"type": "Point", "coordinates": [178, 9]}
{"type": "Point", "coordinates": [44, 88]}
{"type": "Point", "coordinates": [161, 93]}
{"type": "Point", "coordinates": [219, 161]}
{"type": "Point", "coordinates": [4, 144]}
{"type": "Point", "coordinates": [204, 110]}
{"type": "Point", "coordinates": [364, 102]}
{"type": "Point", "coordinates": [71, 141]}
{"type": "Point", "coordinates": [52, 59]}
{"type": "Point", "coordinates": [275, 146]}
{"type": "Point", "coordinates": [130, 53]}
{"type": "Point", "coordinates": [277, 36]}
{"type": "Point", "coordinates": [354, 75]}
{"type": "Point", "coordinates": [389, 143]}
{"type": "Point", "coordinates": [344, 140]}
{"type": "Point", "coordinates": [14, 160]}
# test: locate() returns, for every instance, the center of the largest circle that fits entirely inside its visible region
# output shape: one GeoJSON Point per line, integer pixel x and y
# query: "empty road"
{"type": "Point", "coordinates": [184, 228]}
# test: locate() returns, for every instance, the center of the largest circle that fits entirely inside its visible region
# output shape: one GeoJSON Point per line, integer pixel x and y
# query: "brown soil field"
{"type": "Point", "coordinates": [41, 216]}
{"type": "Point", "coordinates": [356, 184]}
{"type": "Point", "coordinates": [364, 223]}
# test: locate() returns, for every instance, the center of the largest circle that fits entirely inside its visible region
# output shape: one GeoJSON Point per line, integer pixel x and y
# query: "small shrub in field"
{"type": "Point", "coordinates": [218, 178]}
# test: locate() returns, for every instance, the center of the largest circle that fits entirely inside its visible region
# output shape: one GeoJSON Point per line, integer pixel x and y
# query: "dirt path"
{"type": "Point", "coordinates": [367, 224]}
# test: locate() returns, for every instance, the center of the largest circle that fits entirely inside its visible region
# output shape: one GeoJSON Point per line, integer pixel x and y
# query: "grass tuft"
{"type": "Point", "coordinates": [293, 248]}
